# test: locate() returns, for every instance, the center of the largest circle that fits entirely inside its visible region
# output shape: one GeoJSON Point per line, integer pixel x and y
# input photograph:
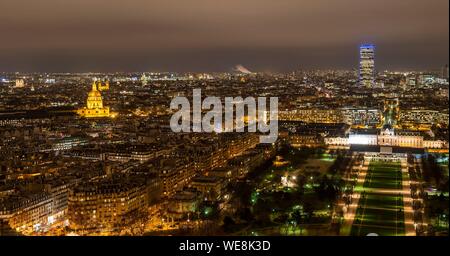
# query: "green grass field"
{"type": "Point", "coordinates": [379, 212]}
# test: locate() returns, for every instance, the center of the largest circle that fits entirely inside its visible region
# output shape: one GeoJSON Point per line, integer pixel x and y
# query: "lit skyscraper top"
{"type": "Point", "coordinates": [367, 65]}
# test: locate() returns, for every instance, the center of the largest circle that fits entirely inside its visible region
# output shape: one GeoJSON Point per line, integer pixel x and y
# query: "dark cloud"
{"type": "Point", "coordinates": [195, 35]}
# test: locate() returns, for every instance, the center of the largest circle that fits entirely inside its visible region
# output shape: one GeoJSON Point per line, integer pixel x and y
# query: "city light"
{"type": "Point", "coordinates": [231, 119]}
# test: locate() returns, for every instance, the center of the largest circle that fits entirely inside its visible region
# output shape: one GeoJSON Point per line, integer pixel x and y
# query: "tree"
{"type": "Point", "coordinates": [301, 181]}
{"type": "Point", "coordinates": [228, 224]}
{"type": "Point", "coordinates": [245, 214]}
{"type": "Point", "coordinates": [308, 208]}
{"type": "Point", "coordinates": [298, 218]}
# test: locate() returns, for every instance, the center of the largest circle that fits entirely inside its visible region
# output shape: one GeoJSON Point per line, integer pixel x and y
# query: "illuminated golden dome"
{"type": "Point", "coordinates": [94, 104]}
{"type": "Point", "coordinates": [94, 99]}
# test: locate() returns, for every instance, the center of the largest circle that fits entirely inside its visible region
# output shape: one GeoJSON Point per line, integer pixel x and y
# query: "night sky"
{"type": "Point", "coordinates": [215, 35]}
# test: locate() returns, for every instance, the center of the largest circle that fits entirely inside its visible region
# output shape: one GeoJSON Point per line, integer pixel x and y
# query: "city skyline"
{"type": "Point", "coordinates": [218, 120]}
{"type": "Point", "coordinates": [209, 37]}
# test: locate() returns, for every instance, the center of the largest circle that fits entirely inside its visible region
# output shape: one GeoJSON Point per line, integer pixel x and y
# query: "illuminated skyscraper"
{"type": "Point", "coordinates": [367, 65]}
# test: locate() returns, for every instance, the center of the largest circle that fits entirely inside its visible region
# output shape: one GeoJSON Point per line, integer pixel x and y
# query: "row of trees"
{"type": "Point", "coordinates": [433, 172]}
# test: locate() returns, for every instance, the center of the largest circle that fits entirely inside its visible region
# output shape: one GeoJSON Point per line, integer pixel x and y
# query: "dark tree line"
{"type": "Point", "coordinates": [339, 165]}
{"type": "Point", "coordinates": [433, 172]}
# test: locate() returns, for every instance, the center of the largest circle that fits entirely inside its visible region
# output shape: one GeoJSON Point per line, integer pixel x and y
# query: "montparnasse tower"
{"type": "Point", "coordinates": [94, 104]}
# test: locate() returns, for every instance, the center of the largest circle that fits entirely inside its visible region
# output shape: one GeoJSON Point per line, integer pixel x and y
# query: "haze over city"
{"type": "Point", "coordinates": [206, 36]}
{"type": "Point", "coordinates": [223, 120]}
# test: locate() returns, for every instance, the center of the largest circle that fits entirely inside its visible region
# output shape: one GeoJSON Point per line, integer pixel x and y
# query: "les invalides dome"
{"type": "Point", "coordinates": [94, 104]}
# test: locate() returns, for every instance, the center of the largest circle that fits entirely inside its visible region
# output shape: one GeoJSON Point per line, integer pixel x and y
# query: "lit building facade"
{"type": "Point", "coordinates": [351, 116]}
{"type": "Point", "coordinates": [420, 117]}
{"type": "Point", "coordinates": [387, 137]}
{"type": "Point", "coordinates": [183, 205]}
{"type": "Point", "coordinates": [367, 65]}
{"type": "Point", "coordinates": [106, 205]}
{"type": "Point", "coordinates": [312, 115]}
{"type": "Point", "coordinates": [94, 104]}
{"type": "Point", "coordinates": [27, 212]}
{"type": "Point", "coordinates": [20, 83]}
{"type": "Point", "coordinates": [362, 117]}
{"type": "Point", "coordinates": [401, 139]}
{"type": "Point", "coordinates": [210, 187]}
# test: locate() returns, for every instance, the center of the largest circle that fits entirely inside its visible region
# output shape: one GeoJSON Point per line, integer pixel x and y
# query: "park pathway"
{"type": "Point", "coordinates": [384, 204]}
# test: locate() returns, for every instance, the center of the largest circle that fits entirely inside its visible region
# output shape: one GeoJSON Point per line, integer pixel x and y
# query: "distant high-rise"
{"type": "Point", "coordinates": [367, 65]}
